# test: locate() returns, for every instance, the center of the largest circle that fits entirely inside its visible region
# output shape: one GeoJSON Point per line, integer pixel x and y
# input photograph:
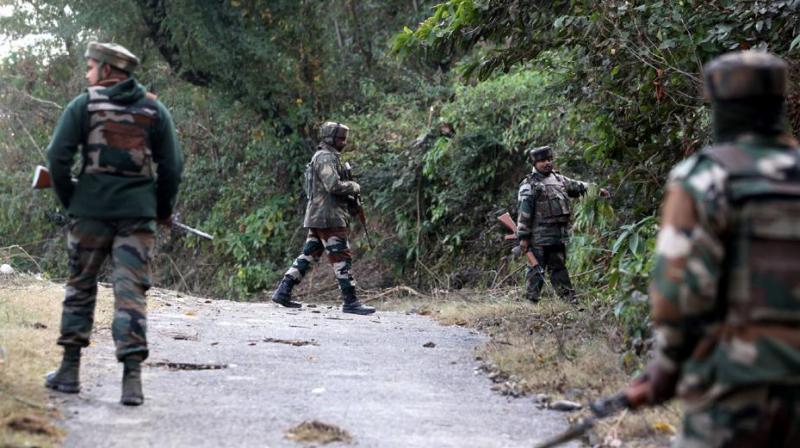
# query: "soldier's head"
{"type": "Point", "coordinates": [542, 158]}
{"type": "Point", "coordinates": [334, 134]}
{"type": "Point", "coordinates": [108, 61]}
{"type": "Point", "coordinates": [747, 90]}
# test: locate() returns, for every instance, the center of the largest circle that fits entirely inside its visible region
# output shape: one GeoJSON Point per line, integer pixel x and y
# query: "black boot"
{"type": "Point", "coordinates": [353, 306]}
{"type": "Point", "coordinates": [132, 383]}
{"type": "Point", "coordinates": [66, 378]}
{"type": "Point", "coordinates": [283, 295]}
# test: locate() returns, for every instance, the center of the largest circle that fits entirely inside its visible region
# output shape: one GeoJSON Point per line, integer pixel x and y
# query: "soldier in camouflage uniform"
{"type": "Point", "coordinates": [327, 218]}
{"type": "Point", "coordinates": [543, 222]}
{"type": "Point", "coordinates": [725, 291]}
{"type": "Point", "coordinates": [129, 176]}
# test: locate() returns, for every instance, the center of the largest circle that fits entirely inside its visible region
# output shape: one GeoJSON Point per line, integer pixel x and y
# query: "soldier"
{"type": "Point", "coordinates": [725, 291]}
{"type": "Point", "coordinates": [327, 219]}
{"type": "Point", "coordinates": [131, 168]}
{"type": "Point", "coordinates": [543, 222]}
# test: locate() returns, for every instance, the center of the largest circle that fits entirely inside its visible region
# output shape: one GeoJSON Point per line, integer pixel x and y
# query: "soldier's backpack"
{"type": "Point", "coordinates": [764, 239]}
{"type": "Point", "coordinates": [308, 177]}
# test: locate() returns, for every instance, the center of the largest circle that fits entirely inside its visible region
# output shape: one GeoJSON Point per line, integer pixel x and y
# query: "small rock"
{"type": "Point", "coordinates": [6, 269]}
{"type": "Point", "coordinates": [565, 406]}
{"type": "Point", "coordinates": [318, 391]}
{"type": "Point", "coordinates": [311, 305]}
{"type": "Point", "coordinates": [429, 345]}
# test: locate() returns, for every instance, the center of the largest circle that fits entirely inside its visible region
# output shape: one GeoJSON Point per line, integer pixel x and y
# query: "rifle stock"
{"type": "Point", "coordinates": [41, 178]}
{"type": "Point", "coordinates": [507, 221]}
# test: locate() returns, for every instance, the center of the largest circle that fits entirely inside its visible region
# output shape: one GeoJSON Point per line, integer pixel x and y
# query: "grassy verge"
{"type": "Point", "coordinates": [30, 311]}
{"type": "Point", "coordinates": [549, 348]}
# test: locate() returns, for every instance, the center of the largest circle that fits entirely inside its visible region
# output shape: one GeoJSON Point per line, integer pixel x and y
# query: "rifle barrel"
{"type": "Point", "coordinates": [192, 230]}
{"type": "Point", "coordinates": [572, 433]}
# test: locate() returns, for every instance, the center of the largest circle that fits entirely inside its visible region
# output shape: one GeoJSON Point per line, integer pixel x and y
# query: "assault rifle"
{"type": "Point", "coordinates": [357, 204]}
{"type": "Point", "coordinates": [602, 408]}
{"type": "Point", "coordinates": [507, 221]}
{"type": "Point", "coordinates": [42, 180]}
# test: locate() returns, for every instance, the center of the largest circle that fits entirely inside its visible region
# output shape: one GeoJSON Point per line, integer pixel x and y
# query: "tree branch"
{"type": "Point", "coordinates": [154, 13]}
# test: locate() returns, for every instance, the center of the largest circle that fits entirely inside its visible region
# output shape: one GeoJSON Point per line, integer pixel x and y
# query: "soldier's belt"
{"type": "Point", "coordinates": [752, 332]}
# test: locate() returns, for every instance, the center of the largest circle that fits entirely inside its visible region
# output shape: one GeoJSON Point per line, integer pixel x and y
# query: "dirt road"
{"type": "Point", "coordinates": [240, 374]}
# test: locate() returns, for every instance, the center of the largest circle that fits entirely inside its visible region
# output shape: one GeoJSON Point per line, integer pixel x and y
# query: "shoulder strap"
{"type": "Point", "coordinates": [732, 158]}
{"type": "Point", "coordinates": [746, 181]}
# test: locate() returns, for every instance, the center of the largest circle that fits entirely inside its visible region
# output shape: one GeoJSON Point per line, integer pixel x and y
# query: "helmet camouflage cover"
{"type": "Point", "coordinates": [331, 130]}
{"type": "Point", "coordinates": [540, 153]}
{"type": "Point", "coordinates": [112, 54]}
{"type": "Point", "coordinates": [745, 74]}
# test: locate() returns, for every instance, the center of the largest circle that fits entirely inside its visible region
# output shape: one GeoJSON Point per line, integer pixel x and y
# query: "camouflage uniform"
{"type": "Point", "coordinates": [131, 168]}
{"type": "Point", "coordinates": [543, 220]}
{"type": "Point", "coordinates": [327, 218]}
{"type": "Point", "coordinates": [725, 291]}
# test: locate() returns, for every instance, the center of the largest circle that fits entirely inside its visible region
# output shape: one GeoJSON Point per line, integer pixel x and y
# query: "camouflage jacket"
{"type": "Point", "coordinates": [327, 205]}
{"type": "Point", "coordinates": [725, 290]}
{"type": "Point", "coordinates": [131, 162]}
{"type": "Point", "coordinates": [544, 209]}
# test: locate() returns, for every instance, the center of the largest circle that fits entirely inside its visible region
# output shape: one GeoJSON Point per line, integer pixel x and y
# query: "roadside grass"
{"type": "Point", "coordinates": [30, 312]}
{"type": "Point", "coordinates": [550, 348]}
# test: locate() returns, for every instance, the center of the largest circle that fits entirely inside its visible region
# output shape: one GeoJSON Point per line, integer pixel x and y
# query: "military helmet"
{"type": "Point", "coordinates": [540, 153]}
{"type": "Point", "coordinates": [112, 54]}
{"type": "Point", "coordinates": [745, 74]}
{"type": "Point", "coordinates": [331, 130]}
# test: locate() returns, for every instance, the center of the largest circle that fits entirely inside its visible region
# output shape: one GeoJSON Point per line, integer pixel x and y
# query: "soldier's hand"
{"type": "Point", "coordinates": [604, 193]}
{"type": "Point", "coordinates": [637, 393]}
{"type": "Point", "coordinates": [651, 388]}
{"type": "Point", "coordinates": [355, 186]}
{"type": "Point", "coordinates": [523, 246]}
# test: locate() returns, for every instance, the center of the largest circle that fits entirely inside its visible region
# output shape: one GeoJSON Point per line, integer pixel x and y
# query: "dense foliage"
{"type": "Point", "coordinates": [440, 127]}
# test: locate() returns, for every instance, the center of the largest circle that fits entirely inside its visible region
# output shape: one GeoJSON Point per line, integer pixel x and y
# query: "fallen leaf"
{"type": "Point", "coordinates": [664, 427]}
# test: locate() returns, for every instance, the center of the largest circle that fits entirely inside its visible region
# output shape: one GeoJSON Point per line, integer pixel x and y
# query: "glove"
{"type": "Point", "coordinates": [523, 245]}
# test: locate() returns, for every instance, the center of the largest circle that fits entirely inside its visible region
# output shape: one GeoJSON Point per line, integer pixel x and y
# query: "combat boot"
{"type": "Point", "coordinates": [66, 378]}
{"type": "Point", "coordinates": [132, 383]}
{"type": "Point", "coordinates": [283, 295]}
{"type": "Point", "coordinates": [353, 306]}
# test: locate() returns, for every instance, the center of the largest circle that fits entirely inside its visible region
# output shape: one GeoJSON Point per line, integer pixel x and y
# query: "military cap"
{"type": "Point", "coordinates": [331, 130]}
{"type": "Point", "coordinates": [112, 54]}
{"type": "Point", "coordinates": [745, 74]}
{"type": "Point", "coordinates": [540, 153]}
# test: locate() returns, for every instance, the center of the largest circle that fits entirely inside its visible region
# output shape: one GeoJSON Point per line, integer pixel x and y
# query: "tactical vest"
{"type": "Point", "coordinates": [761, 276]}
{"type": "Point", "coordinates": [118, 141]}
{"type": "Point", "coordinates": [551, 201]}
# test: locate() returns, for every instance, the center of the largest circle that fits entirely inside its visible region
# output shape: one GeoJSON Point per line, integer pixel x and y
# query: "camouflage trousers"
{"type": "Point", "coordinates": [756, 416]}
{"type": "Point", "coordinates": [130, 244]}
{"type": "Point", "coordinates": [553, 259]}
{"type": "Point", "coordinates": [334, 242]}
